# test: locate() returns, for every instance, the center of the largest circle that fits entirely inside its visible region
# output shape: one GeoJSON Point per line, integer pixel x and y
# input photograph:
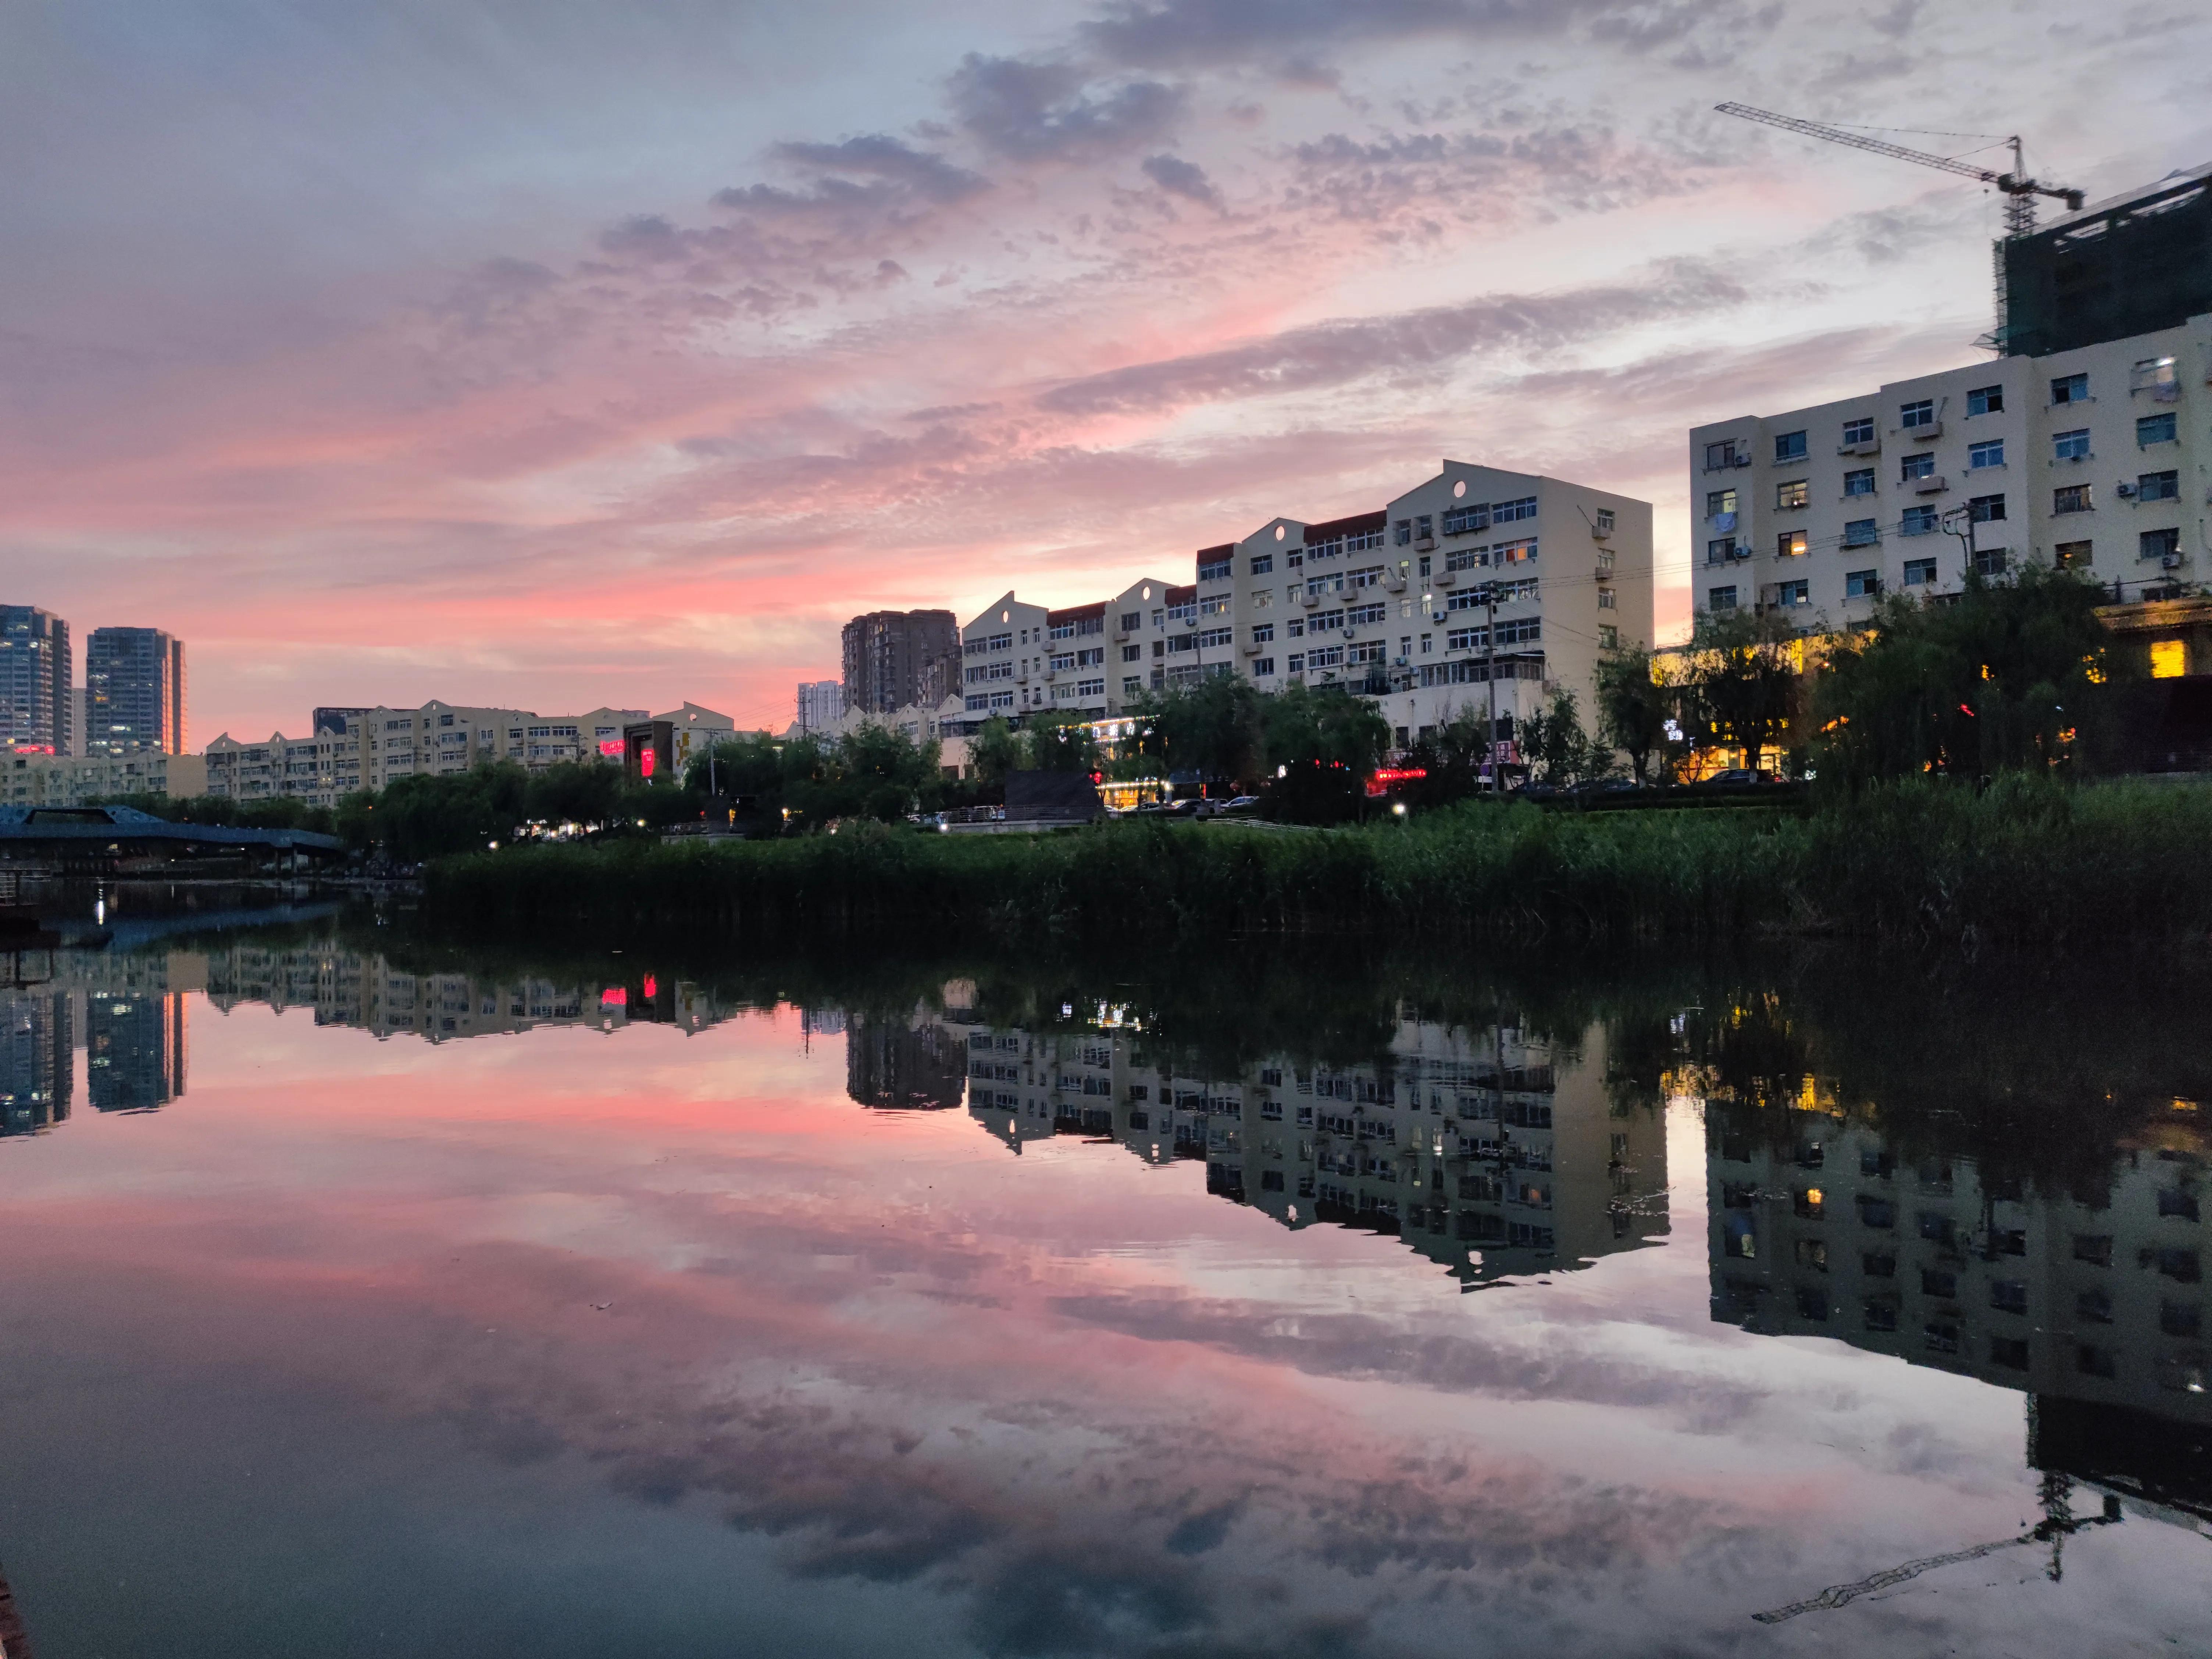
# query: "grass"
{"type": "Point", "coordinates": [2024, 862]}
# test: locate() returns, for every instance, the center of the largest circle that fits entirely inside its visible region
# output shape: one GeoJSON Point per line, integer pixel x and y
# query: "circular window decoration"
{"type": "Point", "coordinates": [1459, 490]}
{"type": "Point", "coordinates": [1148, 593]}
{"type": "Point", "coordinates": [1280, 532]}
{"type": "Point", "coordinates": [1006, 616]}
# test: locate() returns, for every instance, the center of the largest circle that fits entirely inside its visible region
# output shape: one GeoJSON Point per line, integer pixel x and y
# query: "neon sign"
{"type": "Point", "coordinates": [1379, 781]}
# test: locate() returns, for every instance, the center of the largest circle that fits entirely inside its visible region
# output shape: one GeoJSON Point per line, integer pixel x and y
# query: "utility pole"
{"type": "Point", "coordinates": [1490, 677]}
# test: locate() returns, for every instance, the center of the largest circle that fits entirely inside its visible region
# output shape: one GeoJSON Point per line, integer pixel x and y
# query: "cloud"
{"type": "Point", "coordinates": [1333, 353]}
{"type": "Point", "coordinates": [1031, 110]}
{"type": "Point", "coordinates": [1205, 33]}
{"type": "Point", "coordinates": [1180, 178]}
{"type": "Point", "coordinates": [877, 156]}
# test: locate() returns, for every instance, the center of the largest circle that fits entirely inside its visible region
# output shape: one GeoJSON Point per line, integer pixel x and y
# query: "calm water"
{"type": "Point", "coordinates": [368, 1298]}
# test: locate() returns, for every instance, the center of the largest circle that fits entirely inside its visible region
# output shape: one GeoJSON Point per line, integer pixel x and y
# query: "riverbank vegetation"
{"type": "Point", "coordinates": [2029, 860]}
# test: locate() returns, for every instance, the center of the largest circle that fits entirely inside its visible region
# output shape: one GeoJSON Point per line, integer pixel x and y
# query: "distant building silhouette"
{"type": "Point", "coordinates": [35, 1055]}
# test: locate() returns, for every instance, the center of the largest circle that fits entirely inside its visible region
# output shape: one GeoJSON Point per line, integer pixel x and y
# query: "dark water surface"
{"type": "Point", "coordinates": [364, 1297]}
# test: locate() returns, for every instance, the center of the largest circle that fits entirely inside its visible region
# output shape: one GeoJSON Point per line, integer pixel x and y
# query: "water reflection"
{"type": "Point", "coordinates": [991, 1308]}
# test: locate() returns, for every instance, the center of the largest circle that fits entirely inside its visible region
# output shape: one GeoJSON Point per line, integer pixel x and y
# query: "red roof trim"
{"type": "Point", "coordinates": [1351, 526]}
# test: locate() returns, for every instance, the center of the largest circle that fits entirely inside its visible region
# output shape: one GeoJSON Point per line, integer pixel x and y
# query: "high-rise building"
{"type": "Point", "coordinates": [820, 704]}
{"type": "Point", "coordinates": [897, 658]}
{"type": "Point", "coordinates": [134, 1049]}
{"type": "Point", "coordinates": [134, 687]}
{"type": "Point", "coordinates": [36, 674]}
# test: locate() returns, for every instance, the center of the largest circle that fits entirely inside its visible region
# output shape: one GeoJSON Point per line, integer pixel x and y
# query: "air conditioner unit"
{"type": "Point", "coordinates": [2170, 560]}
{"type": "Point", "coordinates": [2127, 492]}
{"type": "Point", "coordinates": [1742, 552]}
{"type": "Point", "coordinates": [1742, 460]}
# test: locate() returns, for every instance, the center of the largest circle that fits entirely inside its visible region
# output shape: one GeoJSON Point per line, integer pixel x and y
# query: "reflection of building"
{"type": "Point", "coordinates": [134, 1049]}
{"type": "Point", "coordinates": [2091, 1301]}
{"type": "Point", "coordinates": [1492, 1152]}
{"type": "Point", "coordinates": [34, 1059]}
{"type": "Point", "coordinates": [905, 1064]}
{"type": "Point", "coordinates": [361, 989]}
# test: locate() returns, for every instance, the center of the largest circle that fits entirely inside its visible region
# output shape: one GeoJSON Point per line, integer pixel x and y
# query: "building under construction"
{"type": "Point", "coordinates": [2135, 265]}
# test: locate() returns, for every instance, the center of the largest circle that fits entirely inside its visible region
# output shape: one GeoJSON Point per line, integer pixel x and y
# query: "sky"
{"type": "Point", "coordinates": [555, 355]}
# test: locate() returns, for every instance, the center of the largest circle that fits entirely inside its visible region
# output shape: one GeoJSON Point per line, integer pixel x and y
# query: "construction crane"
{"type": "Point", "coordinates": [2018, 189]}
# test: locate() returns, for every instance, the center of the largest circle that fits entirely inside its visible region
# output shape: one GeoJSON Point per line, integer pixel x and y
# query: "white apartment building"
{"type": "Point", "coordinates": [382, 745]}
{"type": "Point", "coordinates": [1395, 603]}
{"type": "Point", "coordinates": [2097, 458]}
{"type": "Point", "coordinates": [29, 780]}
{"type": "Point", "coordinates": [820, 704]}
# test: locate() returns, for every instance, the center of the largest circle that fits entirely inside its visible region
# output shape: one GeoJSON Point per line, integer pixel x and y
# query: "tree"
{"type": "Point", "coordinates": [1324, 723]}
{"type": "Point", "coordinates": [993, 751]}
{"type": "Point", "coordinates": [2003, 678]}
{"type": "Point", "coordinates": [1213, 727]}
{"type": "Point", "coordinates": [1555, 746]}
{"type": "Point", "coordinates": [1059, 740]}
{"type": "Point", "coordinates": [1745, 683]}
{"type": "Point", "coordinates": [1633, 710]}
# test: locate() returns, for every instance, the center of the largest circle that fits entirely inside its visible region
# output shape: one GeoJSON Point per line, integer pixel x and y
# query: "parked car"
{"type": "Point", "coordinates": [1242, 807]}
{"type": "Point", "coordinates": [1606, 788]}
{"type": "Point", "coordinates": [1734, 778]}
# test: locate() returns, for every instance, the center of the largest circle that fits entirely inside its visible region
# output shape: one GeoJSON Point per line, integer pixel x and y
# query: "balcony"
{"type": "Point", "coordinates": [1393, 582]}
{"type": "Point", "coordinates": [1425, 544]}
{"type": "Point", "coordinates": [1935, 484]}
{"type": "Point", "coordinates": [1864, 446]}
{"type": "Point", "coordinates": [1921, 435]}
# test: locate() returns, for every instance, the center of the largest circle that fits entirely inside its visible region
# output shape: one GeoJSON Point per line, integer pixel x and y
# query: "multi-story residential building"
{"type": "Point", "coordinates": [37, 678]}
{"type": "Point", "coordinates": [378, 746]}
{"type": "Point", "coordinates": [2082, 448]}
{"type": "Point", "coordinates": [35, 780]}
{"type": "Point", "coordinates": [1474, 574]}
{"type": "Point", "coordinates": [820, 704]}
{"type": "Point", "coordinates": [134, 688]}
{"type": "Point", "coordinates": [1488, 1151]}
{"type": "Point", "coordinates": [899, 658]}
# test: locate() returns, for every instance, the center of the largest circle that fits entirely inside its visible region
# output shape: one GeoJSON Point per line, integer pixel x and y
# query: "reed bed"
{"type": "Point", "coordinates": [2024, 862]}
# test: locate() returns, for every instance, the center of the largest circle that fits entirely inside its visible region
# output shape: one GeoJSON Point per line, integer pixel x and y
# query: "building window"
{"type": "Point", "coordinates": [1986, 509]}
{"type": "Point", "coordinates": [1985, 400]}
{"type": "Point", "coordinates": [1917, 521]}
{"type": "Point", "coordinates": [1721, 455]}
{"type": "Point", "coordinates": [2159, 543]}
{"type": "Point", "coordinates": [1720, 599]}
{"type": "Point", "coordinates": [1917, 466]}
{"type": "Point", "coordinates": [1788, 445]}
{"type": "Point", "coordinates": [1788, 497]}
{"type": "Point", "coordinates": [1605, 521]}
{"type": "Point", "coordinates": [1720, 550]}
{"type": "Point", "coordinates": [1719, 503]}
{"type": "Point", "coordinates": [1132, 621]}
{"type": "Point", "coordinates": [2072, 555]}
{"type": "Point", "coordinates": [1793, 593]}
{"type": "Point", "coordinates": [1860, 532]}
{"type": "Point", "coordinates": [1919, 573]}
{"type": "Point", "coordinates": [2159, 487]}
{"type": "Point", "coordinates": [1988, 453]}
{"type": "Point", "coordinates": [2070, 389]}
{"type": "Point", "coordinates": [1263, 668]}
{"type": "Point", "coordinates": [2070, 498]}
{"type": "Point", "coordinates": [1914, 415]}
{"type": "Point", "coordinates": [1609, 638]}
{"type": "Point", "coordinates": [1263, 564]}
{"type": "Point", "coordinates": [1402, 532]}
{"type": "Point", "coordinates": [2153, 374]}
{"type": "Point", "coordinates": [1860, 431]}
{"type": "Point", "coordinates": [1605, 599]}
{"type": "Point", "coordinates": [1862, 584]}
{"type": "Point", "coordinates": [1129, 654]}
{"type": "Point", "coordinates": [2070, 446]}
{"type": "Point", "coordinates": [1790, 544]}
{"type": "Point", "coordinates": [2155, 429]}
{"type": "Point", "coordinates": [1859, 482]}
{"type": "Point", "coordinates": [1263, 634]}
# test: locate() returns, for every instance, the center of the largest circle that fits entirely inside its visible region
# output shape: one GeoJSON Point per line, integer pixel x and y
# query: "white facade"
{"type": "Point", "coordinates": [1390, 599]}
{"type": "Point", "coordinates": [2095, 458]}
{"type": "Point", "coordinates": [29, 780]}
{"type": "Point", "coordinates": [820, 704]}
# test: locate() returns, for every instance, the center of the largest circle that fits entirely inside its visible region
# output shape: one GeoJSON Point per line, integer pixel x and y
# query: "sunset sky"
{"type": "Point", "coordinates": [553, 354]}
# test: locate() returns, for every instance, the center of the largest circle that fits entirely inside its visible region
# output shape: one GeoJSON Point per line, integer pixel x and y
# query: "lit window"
{"type": "Point", "coordinates": [1790, 544]}
{"type": "Point", "coordinates": [1791, 495]}
{"type": "Point", "coordinates": [2169, 659]}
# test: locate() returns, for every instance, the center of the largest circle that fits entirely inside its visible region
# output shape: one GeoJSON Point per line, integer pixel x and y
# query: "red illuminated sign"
{"type": "Point", "coordinates": [1379, 781]}
{"type": "Point", "coordinates": [611, 748]}
{"type": "Point", "coordinates": [613, 997]}
{"type": "Point", "coordinates": [645, 760]}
